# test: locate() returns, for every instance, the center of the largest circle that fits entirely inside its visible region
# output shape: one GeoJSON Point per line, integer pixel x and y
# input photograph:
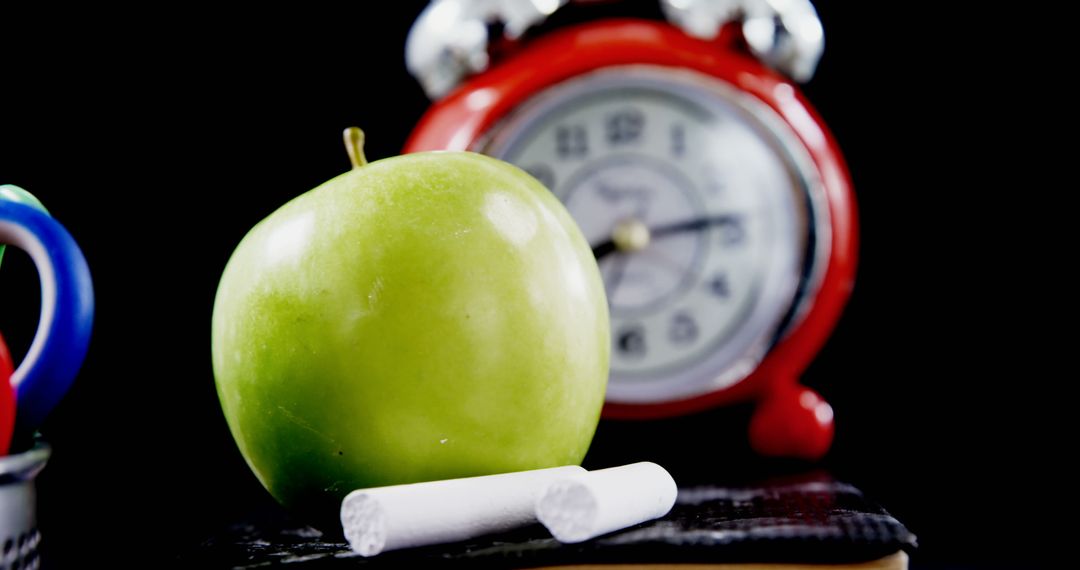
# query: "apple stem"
{"type": "Point", "coordinates": [354, 146]}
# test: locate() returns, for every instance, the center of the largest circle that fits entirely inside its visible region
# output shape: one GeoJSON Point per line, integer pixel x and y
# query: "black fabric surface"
{"type": "Point", "coordinates": [810, 519]}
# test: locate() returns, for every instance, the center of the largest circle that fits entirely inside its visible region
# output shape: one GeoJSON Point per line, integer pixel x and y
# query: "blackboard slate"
{"type": "Point", "coordinates": [802, 520]}
{"type": "Point", "coordinates": [799, 520]}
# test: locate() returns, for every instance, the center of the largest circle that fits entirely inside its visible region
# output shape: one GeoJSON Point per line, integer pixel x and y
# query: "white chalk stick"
{"type": "Point", "coordinates": [587, 505]}
{"type": "Point", "coordinates": [402, 516]}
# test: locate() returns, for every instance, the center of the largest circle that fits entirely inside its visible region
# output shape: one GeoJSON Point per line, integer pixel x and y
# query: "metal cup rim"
{"type": "Point", "coordinates": [24, 466]}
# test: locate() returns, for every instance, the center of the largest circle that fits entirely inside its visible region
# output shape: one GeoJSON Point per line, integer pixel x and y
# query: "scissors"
{"type": "Point", "coordinates": [67, 309]}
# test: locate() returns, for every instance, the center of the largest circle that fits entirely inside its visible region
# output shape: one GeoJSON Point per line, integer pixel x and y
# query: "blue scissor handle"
{"type": "Point", "coordinates": [67, 311]}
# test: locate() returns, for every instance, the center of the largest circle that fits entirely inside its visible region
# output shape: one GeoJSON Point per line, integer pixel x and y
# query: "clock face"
{"type": "Point", "coordinates": [694, 198]}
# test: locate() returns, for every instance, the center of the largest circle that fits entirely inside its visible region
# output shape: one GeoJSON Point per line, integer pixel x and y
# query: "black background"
{"type": "Point", "coordinates": [159, 139]}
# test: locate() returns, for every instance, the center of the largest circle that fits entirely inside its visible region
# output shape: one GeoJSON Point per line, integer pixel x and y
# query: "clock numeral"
{"type": "Point", "coordinates": [631, 341]}
{"type": "Point", "coordinates": [543, 173]}
{"type": "Point", "coordinates": [719, 286]}
{"type": "Point", "coordinates": [684, 330]}
{"type": "Point", "coordinates": [678, 140]}
{"type": "Point", "coordinates": [571, 142]}
{"type": "Point", "coordinates": [625, 126]}
{"type": "Point", "coordinates": [732, 233]}
{"type": "Point", "coordinates": [616, 194]}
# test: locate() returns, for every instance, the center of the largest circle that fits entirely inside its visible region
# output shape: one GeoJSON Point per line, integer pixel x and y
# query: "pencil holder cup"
{"type": "Point", "coordinates": [19, 536]}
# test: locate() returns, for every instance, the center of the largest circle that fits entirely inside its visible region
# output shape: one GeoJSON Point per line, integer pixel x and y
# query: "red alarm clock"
{"type": "Point", "coordinates": [716, 202]}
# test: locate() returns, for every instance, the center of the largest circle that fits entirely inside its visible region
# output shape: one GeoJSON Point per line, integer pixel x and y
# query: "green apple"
{"type": "Point", "coordinates": [422, 317]}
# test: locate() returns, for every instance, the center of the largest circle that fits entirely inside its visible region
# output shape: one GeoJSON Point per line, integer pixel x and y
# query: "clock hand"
{"type": "Point", "coordinates": [696, 225]}
{"type": "Point", "coordinates": [633, 235]}
{"type": "Point", "coordinates": [615, 275]}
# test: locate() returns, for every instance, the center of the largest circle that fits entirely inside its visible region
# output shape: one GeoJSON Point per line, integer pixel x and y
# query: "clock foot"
{"type": "Point", "coordinates": [793, 422]}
